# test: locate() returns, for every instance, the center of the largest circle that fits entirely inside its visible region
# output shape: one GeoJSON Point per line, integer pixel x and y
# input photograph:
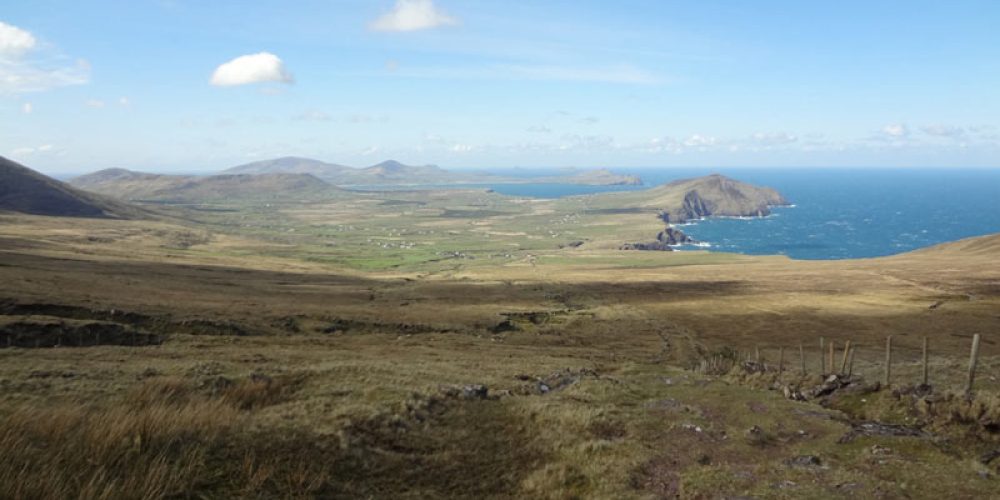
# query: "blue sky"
{"type": "Point", "coordinates": [183, 85]}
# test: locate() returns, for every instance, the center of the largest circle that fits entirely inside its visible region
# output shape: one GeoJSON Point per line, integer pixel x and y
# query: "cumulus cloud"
{"type": "Point", "coordinates": [14, 41]}
{"type": "Point", "coordinates": [25, 67]}
{"type": "Point", "coordinates": [124, 101]}
{"type": "Point", "coordinates": [412, 15]}
{"type": "Point", "coordinates": [896, 130]}
{"type": "Point", "coordinates": [252, 68]}
{"type": "Point", "coordinates": [27, 108]}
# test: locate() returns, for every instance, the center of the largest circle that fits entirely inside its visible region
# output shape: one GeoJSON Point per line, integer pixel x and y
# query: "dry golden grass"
{"type": "Point", "coordinates": [334, 390]}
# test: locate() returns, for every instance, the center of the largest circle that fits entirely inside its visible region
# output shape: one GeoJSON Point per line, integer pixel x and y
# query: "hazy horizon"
{"type": "Point", "coordinates": [170, 85]}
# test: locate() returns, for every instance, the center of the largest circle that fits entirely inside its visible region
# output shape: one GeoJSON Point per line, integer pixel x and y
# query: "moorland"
{"type": "Point", "coordinates": [271, 336]}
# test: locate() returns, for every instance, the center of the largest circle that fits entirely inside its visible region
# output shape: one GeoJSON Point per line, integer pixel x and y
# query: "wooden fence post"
{"type": "Point", "coordinates": [924, 378]}
{"type": "Point", "coordinates": [973, 359]}
{"type": "Point", "coordinates": [843, 361]}
{"type": "Point", "coordinates": [802, 359]}
{"type": "Point", "coordinates": [781, 360]}
{"type": "Point", "coordinates": [850, 362]}
{"type": "Point", "coordinates": [757, 354]}
{"type": "Point", "coordinates": [832, 348]}
{"type": "Point", "coordinates": [822, 364]}
{"type": "Point", "coordinates": [888, 360]}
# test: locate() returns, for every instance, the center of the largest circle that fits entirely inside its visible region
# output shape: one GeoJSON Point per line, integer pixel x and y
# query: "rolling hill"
{"type": "Point", "coordinates": [392, 172]}
{"type": "Point", "coordinates": [130, 185]}
{"type": "Point", "coordinates": [27, 191]}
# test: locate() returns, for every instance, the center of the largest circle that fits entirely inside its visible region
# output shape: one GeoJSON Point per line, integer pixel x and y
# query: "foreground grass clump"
{"type": "Point", "coordinates": [161, 440]}
{"type": "Point", "coordinates": [148, 451]}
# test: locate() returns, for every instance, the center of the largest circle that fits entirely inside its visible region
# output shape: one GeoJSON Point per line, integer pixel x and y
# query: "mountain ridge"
{"type": "Point", "coordinates": [27, 191]}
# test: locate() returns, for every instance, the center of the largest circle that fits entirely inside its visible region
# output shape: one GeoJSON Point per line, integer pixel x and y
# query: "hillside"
{"type": "Point", "coordinates": [293, 165]}
{"type": "Point", "coordinates": [27, 191]}
{"type": "Point", "coordinates": [131, 185]}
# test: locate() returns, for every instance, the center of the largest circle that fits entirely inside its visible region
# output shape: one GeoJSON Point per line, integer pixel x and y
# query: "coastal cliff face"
{"type": "Point", "coordinates": [714, 195]}
{"type": "Point", "coordinates": [710, 196]}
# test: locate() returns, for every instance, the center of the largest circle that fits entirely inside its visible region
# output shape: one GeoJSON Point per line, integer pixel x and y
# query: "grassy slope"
{"type": "Point", "coordinates": [27, 191]}
{"type": "Point", "coordinates": [359, 412]}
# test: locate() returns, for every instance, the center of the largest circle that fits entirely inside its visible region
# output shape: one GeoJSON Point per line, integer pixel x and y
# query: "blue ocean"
{"type": "Point", "coordinates": [837, 213]}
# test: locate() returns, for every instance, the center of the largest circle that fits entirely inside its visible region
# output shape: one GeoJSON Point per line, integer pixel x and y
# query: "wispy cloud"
{"type": "Point", "coordinates": [939, 130]}
{"type": "Point", "coordinates": [412, 15]}
{"type": "Point", "coordinates": [620, 74]}
{"type": "Point", "coordinates": [252, 68]}
{"type": "Point", "coordinates": [26, 67]}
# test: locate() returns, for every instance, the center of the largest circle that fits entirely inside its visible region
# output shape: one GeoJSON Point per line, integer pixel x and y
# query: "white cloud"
{"type": "Point", "coordinates": [539, 129]}
{"type": "Point", "coordinates": [14, 41]}
{"type": "Point", "coordinates": [124, 101]}
{"type": "Point", "coordinates": [412, 15]}
{"type": "Point", "coordinates": [28, 151]}
{"type": "Point", "coordinates": [27, 108]}
{"type": "Point", "coordinates": [24, 69]}
{"type": "Point", "coordinates": [897, 130]}
{"type": "Point", "coordinates": [94, 103]}
{"type": "Point", "coordinates": [462, 148]}
{"type": "Point", "coordinates": [252, 68]}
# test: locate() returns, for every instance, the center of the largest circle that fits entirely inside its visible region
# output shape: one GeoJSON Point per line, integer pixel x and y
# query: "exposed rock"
{"type": "Point", "coordinates": [672, 236]}
{"type": "Point", "coordinates": [805, 461]}
{"type": "Point", "coordinates": [475, 391]}
{"type": "Point", "coordinates": [656, 245]}
{"type": "Point", "coordinates": [664, 241]}
{"type": "Point", "coordinates": [880, 429]}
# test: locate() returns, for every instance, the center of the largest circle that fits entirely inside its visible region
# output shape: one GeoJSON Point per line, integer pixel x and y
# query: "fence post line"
{"type": "Point", "coordinates": [757, 354]}
{"type": "Point", "coordinates": [850, 362]}
{"type": "Point", "coordinates": [888, 360]}
{"type": "Point", "coordinates": [802, 359]}
{"type": "Point", "coordinates": [781, 360]}
{"type": "Point", "coordinates": [973, 359]}
{"type": "Point", "coordinates": [843, 361]}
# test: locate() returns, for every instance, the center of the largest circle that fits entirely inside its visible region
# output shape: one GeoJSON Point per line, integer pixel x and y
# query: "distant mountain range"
{"type": "Point", "coordinates": [130, 185]}
{"type": "Point", "coordinates": [392, 172]}
{"type": "Point", "coordinates": [27, 191]}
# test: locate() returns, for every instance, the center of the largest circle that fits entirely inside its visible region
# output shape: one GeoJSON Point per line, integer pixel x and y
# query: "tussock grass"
{"type": "Point", "coordinates": [74, 451]}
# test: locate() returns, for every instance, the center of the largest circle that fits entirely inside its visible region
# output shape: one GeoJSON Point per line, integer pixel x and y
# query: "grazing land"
{"type": "Point", "coordinates": [457, 343]}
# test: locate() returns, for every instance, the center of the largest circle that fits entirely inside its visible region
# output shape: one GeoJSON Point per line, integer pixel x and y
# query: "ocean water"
{"type": "Point", "coordinates": [837, 213]}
